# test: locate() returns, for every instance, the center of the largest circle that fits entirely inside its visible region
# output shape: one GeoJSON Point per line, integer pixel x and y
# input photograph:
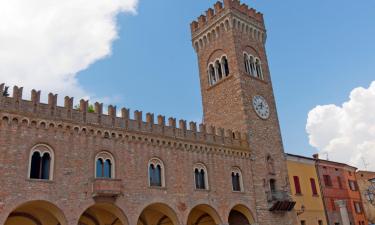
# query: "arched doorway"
{"type": "Point", "coordinates": [158, 214]}
{"type": "Point", "coordinates": [36, 213]}
{"type": "Point", "coordinates": [203, 215]}
{"type": "Point", "coordinates": [103, 213]}
{"type": "Point", "coordinates": [240, 215]}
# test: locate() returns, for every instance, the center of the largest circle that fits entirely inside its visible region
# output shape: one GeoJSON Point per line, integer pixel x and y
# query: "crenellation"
{"type": "Point", "coordinates": [210, 13]}
{"type": "Point", "coordinates": [125, 113]}
{"type": "Point", "coordinates": [17, 95]}
{"type": "Point", "coordinates": [193, 126]}
{"type": "Point", "coordinates": [213, 14]}
{"type": "Point", "coordinates": [2, 86]}
{"type": "Point", "coordinates": [161, 120]}
{"type": "Point", "coordinates": [150, 118]}
{"type": "Point", "coordinates": [218, 6]}
{"type": "Point", "coordinates": [82, 115]}
{"type": "Point", "coordinates": [172, 122]}
{"type": "Point", "coordinates": [112, 111]}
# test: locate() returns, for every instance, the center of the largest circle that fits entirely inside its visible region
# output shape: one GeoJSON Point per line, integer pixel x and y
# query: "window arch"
{"type": "Point", "coordinates": [253, 66]}
{"type": "Point", "coordinates": [225, 66]}
{"type": "Point", "coordinates": [104, 165]}
{"type": "Point", "coordinates": [218, 70]}
{"type": "Point", "coordinates": [156, 176]}
{"type": "Point", "coordinates": [200, 177]}
{"type": "Point", "coordinates": [41, 162]}
{"type": "Point", "coordinates": [258, 68]}
{"type": "Point", "coordinates": [237, 182]}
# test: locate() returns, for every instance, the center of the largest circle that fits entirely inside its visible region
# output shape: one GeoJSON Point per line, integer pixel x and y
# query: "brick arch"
{"type": "Point", "coordinates": [36, 211]}
{"type": "Point", "coordinates": [160, 213]}
{"type": "Point", "coordinates": [240, 214]}
{"type": "Point", "coordinates": [100, 212]}
{"type": "Point", "coordinates": [203, 213]}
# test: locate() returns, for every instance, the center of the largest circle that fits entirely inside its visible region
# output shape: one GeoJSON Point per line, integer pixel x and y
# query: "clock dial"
{"type": "Point", "coordinates": [261, 107]}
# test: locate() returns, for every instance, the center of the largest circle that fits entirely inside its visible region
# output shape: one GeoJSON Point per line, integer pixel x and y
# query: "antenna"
{"type": "Point", "coordinates": [365, 163]}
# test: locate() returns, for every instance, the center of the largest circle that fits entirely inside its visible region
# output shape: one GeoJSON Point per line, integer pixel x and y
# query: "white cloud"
{"type": "Point", "coordinates": [45, 43]}
{"type": "Point", "coordinates": [347, 132]}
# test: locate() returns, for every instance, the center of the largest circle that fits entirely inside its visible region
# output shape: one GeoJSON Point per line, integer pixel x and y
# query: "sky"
{"type": "Point", "coordinates": [138, 54]}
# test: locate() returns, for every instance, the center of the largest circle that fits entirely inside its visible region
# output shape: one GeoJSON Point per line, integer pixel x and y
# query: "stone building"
{"type": "Point", "coordinates": [67, 166]}
{"type": "Point", "coordinates": [366, 184]}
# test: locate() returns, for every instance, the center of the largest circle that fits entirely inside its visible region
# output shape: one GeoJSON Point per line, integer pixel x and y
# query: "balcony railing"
{"type": "Point", "coordinates": [280, 201]}
{"type": "Point", "coordinates": [106, 187]}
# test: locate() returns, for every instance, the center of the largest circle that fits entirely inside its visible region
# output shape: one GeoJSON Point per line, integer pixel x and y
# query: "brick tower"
{"type": "Point", "coordinates": [237, 94]}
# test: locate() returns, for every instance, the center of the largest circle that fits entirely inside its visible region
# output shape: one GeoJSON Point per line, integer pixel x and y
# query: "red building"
{"type": "Point", "coordinates": [341, 195]}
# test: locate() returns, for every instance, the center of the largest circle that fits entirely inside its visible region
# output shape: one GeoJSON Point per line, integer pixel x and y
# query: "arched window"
{"type": "Point", "coordinates": [104, 167]}
{"type": "Point", "coordinates": [225, 66]}
{"type": "Point", "coordinates": [156, 173]}
{"type": "Point", "coordinates": [41, 163]}
{"type": "Point", "coordinates": [258, 68]}
{"type": "Point", "coordinates": [252, 65]}
{"type": "Point", "coordinates": [237, 184]}
{"type": "Point", "coordinates": [219, 70]}
{"type": "Point", "coordinates": [200, 176]}
{"type": "Point", "coordinates": [246, 61]}
{"type": "Point", "coordinates": [211, 75]}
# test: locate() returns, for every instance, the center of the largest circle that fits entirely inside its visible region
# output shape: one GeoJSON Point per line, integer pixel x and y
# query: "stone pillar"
{"type": "Point", "coordinates": [343, 211]}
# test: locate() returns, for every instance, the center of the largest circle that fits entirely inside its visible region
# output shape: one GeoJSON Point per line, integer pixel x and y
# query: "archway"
{"type": "Point", "coordinates": [203, 215]}
{"type": "Point", "coordinates": [158, 214]}
{"type": "Point", "coordinates": [36, 213]}
{"type": "Point", "coordinates": [240, 215]}
{"type": "Point", "coordinates": [103, 213]}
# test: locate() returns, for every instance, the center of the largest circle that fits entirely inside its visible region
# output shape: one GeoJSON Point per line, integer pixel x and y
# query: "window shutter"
{"type": "Point", "coordinates": [297, 184]}
{"type": "Point", "coordinates": [313, 186]}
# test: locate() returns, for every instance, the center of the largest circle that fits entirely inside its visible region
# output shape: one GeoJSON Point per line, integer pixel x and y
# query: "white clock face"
{"type": "Point", "coordinates": [261, 107]}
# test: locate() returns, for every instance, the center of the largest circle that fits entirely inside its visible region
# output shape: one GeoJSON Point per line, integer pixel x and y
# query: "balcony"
{"type": "Point", "coordinates": [111, 188]}
{"type": "Point", "coordinates": [280, 201]}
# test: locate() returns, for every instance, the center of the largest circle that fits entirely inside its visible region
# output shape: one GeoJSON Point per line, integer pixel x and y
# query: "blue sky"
{"type": "Point", "coordinates": [318, 51]}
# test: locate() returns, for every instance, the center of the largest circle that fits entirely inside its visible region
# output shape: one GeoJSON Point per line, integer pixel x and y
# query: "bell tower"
{"type": "Point", "coordinates": [237, 94]}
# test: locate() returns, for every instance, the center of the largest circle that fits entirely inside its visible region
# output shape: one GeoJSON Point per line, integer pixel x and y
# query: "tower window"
{"type": "Point", "coordinates": [253, 66]}
{"type": "Point", "coordinates": [258, 68]}
{"type": "Point", "coordinates": [156, 173]}
{"type": "Point", "coordinates": [211, 75]}
{"type": "Point", "coordinates": [237, 184]}
{"type": "Point", "coordinates": [224, 64]}
{"type": "Point", "coordinates": [41, 163]}
{"type": "Point", "coordinates": [200, 177]}
{"type": "Point", "coordinates": [104, 165]}
{"type": "Point", "coordinates": [218, 70]}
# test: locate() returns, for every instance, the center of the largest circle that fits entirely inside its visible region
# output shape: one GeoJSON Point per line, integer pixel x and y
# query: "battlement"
{"type": "Point", "coordinates": [212, 14]}
{"type": "Point", "coordinates": [81, 115]}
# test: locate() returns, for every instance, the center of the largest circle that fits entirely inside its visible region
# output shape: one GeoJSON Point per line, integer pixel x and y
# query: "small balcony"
{"type": "Point", "coordinates": [102, 187]}
{"type": "Point", "coordinates": [280, 201]}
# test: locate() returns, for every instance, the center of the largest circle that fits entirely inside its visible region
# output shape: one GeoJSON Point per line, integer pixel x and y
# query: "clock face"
{"type": "Point", "coordinates": [261, 107]}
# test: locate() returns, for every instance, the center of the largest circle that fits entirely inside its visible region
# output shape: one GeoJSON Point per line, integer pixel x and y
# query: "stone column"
{"type": "Point", "coordinates": [343, 211]}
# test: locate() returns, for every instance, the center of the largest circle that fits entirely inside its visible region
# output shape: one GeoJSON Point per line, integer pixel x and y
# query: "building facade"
{"type": "Point", "coordinates": [366, 184]}
{"type": "Point", "coordinates": [306, 190]}
{"type": "Point", "coordinates": [341, 196]}
{"type": "Point", "coordinates": [67, 166]}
